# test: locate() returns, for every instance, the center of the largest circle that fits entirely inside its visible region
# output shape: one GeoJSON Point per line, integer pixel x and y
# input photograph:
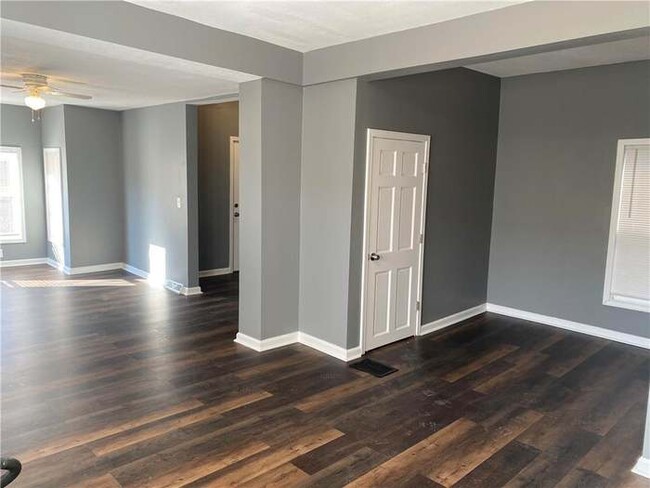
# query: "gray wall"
{"type": "Point", "coordinates": [93, 140]}
{"type": "Point", "coordinates": [270, 207]}
{"type": "Point", "coordinates": [155, 152]}
{"type": "Point", "coordinates": [216, 124]}
{"type": "Point", "coordinates": [325, 208]}
{"type": "Point", "coordinates": [555, 174]}
{"type": "Point", "coordinates": [17, 129]}
{"type": "Point", "coordinates": [459, 108]}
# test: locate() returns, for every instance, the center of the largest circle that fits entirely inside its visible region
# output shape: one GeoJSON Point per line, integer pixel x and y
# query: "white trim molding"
{"type": "Point", "coordinates": [591, 330]}
{"type": "Point", "coordinates": [215, 272]}
{"type": "Point", "coordinates": [266, 344]}
{"type": "Point", "coordinates": [328, 348]}
{"type": "Point", "coordinates": [22, 262]}
{"type": "Point", "coordinates": [191, 291]}
{"type": "Point", "coordinates": [642, 467]}
{"type": "Point", "coordinates": [452, 319]}
{"type": "Point", "coordinates": [55, 264]}
{"type": "Point", "coordinates": [97, 268]}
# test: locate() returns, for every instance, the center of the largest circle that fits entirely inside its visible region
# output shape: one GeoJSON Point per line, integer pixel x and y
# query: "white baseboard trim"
{"type": "Point", "coordinates": [97, 268]}
{"type": "Point", "coordinates": [591, 330]}
{"type": "Point", "coordinates": [328, 348]}
{"type": "Point", "coordinates": [266, 344]}
{"type": "Point", "coordinates": [451, 319]}
{"type": "Point", "coordinates": [22, 262]}
{"type": "Point", "coordinates": [214, 272]}
{"type": "Point", "coordinates": [55, 264]}
{"type": "Point", "coordinates": [642, 467]}
{"type": "Point", "coordinates": [191, 291]}
{"type": "Point", "coordinates": [173, 286]}
{"type": "Point", "coordinates": [135, 271]}
{"type": "Point", "coordinates": [298, 338]}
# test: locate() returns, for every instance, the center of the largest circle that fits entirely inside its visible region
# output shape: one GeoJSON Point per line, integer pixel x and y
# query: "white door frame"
{"type": "Point", "coordinates": [371, 134]}
{"type": "Point", "coordinates": [231, 263]}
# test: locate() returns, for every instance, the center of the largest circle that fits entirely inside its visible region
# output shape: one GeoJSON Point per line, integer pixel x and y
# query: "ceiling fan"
{"type": "Point", "coordinates": [36, 85]}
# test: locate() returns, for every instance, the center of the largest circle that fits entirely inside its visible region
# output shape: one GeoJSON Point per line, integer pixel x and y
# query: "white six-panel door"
{"type": "Point", "coordinates": [395, 192]}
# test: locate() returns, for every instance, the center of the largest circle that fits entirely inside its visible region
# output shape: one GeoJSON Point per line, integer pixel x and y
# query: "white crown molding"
{"type": "Point", "coordinates": [214, 272]}
{"type": "Point", "coordinates": [452, 319]}
{"type": "Point", "coordinates": [591, 330]}
{"type": "Point", "coordinates": [22, 262]}
{"type": "Point", "coordinates": [642, 467]}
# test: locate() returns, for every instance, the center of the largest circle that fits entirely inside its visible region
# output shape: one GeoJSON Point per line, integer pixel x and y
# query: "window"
{"type": "Point", "coordinates": [12, 211]}
{"type": "Point", "coordinates": [627, 274]}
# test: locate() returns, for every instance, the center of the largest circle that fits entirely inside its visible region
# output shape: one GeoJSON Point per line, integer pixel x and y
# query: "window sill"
{"type": "Point", "coordinates": [639, 306]}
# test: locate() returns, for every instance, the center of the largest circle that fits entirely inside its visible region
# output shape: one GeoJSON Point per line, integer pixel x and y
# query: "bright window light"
{"type": "Point", "coordinates": [12, 204]}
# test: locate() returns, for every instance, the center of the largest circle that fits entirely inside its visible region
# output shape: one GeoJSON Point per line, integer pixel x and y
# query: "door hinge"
{"type": "Point", "coordinates": [421, 238]}
{"type": "Point", "coordinates": [417, 305]}
{"type": "Point", "coordinates": [424, 167]}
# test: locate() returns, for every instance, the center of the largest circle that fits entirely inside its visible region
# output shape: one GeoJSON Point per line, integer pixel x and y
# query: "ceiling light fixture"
{"type": "Point", "coordinates": [35, 102]}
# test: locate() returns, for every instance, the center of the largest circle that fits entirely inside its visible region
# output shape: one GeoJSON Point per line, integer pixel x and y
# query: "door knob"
{"type": "Point", "coordinates": [374, 256]}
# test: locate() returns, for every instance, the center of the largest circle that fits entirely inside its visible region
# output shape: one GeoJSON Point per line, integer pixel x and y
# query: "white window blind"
{"type": "Point", "coordinates": [627, 277]}
{"type": "Point", "coordinates": [12, 212]}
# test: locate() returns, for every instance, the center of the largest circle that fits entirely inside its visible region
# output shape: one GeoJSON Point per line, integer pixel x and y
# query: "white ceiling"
{"type": "Point", "coordinates": [117, 77]}
{"type": "Point", "coordinates": [635, 49]}
{"type": "Point", "coordinates": [308, 25]}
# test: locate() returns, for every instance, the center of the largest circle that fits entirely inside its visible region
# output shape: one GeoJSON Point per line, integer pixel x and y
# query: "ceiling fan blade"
{"type": "Point", "coordinates": [13, 86]}
{"type": "Point", "coordinates": [59, 93]}
{"type": "Point", "coordinates": [58, 79]}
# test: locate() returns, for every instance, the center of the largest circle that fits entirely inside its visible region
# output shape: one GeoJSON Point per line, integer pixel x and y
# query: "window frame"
{"type": "Point", "coordinates": [22, 238]}
{"type": "Point", "coordinates": [609, 299]}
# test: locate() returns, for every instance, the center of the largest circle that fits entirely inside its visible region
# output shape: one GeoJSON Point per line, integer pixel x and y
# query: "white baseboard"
{"type": "Point", "coordinates": [451, 319]}
{"type": "Point", "coordinates": [642, 467]}
{"type": "Point", "coordinates": [266, 344]}
{"type": "Point", "coordinates": [191, 291]}
{"type": "Point", "coordinates": [591, 330]}
{"type": "Point", "coordinates": [214, 272]}
{"type": "Point", "coordinates": [328, 348]}
{"type": "Point", "coordinates": [135, 271]}
{"type": "Point", "coordinates": [55, 264]}
{"type": "Point", "coordinates": [298, 338]}
{"type": "Point", "coordinates": [22, 262]}
{"type": "Point", "coordinates": [173, 286]}
{"type": "Point", "coordinates": [97, 268]}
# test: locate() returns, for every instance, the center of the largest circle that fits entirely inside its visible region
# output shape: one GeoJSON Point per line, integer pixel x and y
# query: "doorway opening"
{"type": "Point", "coordinates": [218, 188]}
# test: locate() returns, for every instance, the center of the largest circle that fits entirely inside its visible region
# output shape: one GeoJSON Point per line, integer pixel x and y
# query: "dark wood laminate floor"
{"type": "Point", "coordinates": [109, 383]}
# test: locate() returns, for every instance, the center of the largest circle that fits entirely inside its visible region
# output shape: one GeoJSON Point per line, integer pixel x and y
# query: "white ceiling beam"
{"type": "Point", "coordinates": [517, 30]}
{"type": "Point", "coordinates": [141, 28]}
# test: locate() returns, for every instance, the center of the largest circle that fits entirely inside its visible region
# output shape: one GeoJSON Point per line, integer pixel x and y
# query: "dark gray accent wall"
{"type": "Point", "coordinates": [555, 174]}
{"type": "Point", "coordinates": [216, 124]}
{"type": "Point", "coordinates": [93, 140]}
{"type": "Point", "coordinates": [17, 129]}
{"type": "Point", "coordinates": [155, 152]}
{"type": "Point", "coordinates": [459, 109]}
